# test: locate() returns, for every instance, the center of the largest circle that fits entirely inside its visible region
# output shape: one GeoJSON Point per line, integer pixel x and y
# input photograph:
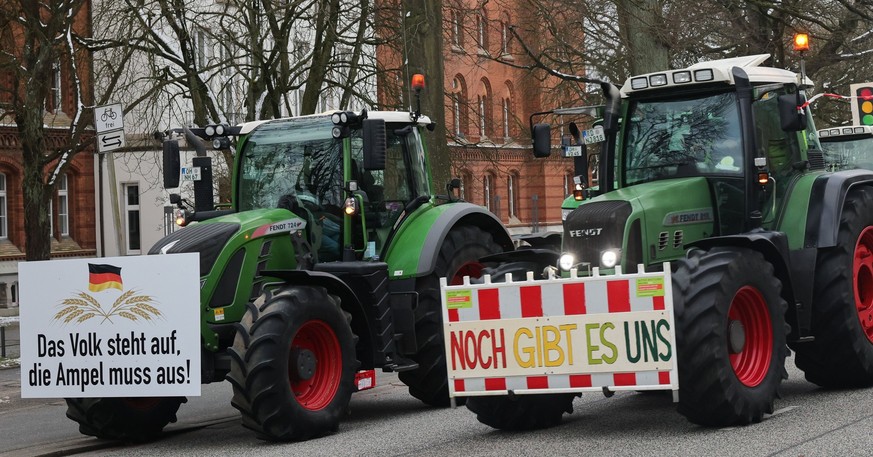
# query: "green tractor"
{"type": "Point", "coordinates": [325, 267]}
{"type": "Point", "coordinates": [715, 171]}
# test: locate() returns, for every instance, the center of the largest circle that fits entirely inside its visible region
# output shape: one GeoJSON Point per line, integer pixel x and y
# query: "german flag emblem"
{"type": "Point", "coordinates": [102, 277]}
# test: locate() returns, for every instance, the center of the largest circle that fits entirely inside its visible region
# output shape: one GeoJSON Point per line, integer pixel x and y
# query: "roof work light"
{"type": "Point", "coordinates": [801, 42]}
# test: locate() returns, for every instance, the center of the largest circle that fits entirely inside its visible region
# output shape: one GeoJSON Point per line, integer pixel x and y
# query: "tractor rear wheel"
{"type": "Point", "coordinates": [842, 353]}
{"type": "Point", "coordinates": [730, 334]}
{"type": "Point", "coordinates": [458, 257]}
{"type": "Point", "coordinates": [293, 364]}
{"type": "Point", "coordinates": [521, 412]}
{"type": "Point", "coordinates": [124, 419]}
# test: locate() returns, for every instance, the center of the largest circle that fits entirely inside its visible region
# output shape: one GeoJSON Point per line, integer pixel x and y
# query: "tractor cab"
{"type": "Point", "coordinates": [710, 150]}
{"type": "Point", "coordinates": [325, 169]}
{"type": "Point", "coordinates": [347, 177]}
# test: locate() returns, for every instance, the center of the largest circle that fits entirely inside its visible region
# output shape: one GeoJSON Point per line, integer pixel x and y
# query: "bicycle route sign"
{"type": "Point", "coordinates": [109, 123]}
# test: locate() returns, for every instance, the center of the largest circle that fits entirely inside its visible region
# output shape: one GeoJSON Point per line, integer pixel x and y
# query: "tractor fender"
{"type": "Point", "coordinates": [774, 246]}
{"type": "Point", "coordinates": [361, 325]}
{"type": "Point", "coordinates": [414, 249]}
{"type": "Point", "coordinates": [826, 201]}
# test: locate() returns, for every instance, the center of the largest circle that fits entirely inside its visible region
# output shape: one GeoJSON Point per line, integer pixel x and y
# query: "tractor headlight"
{"type": "Point", "coordinates": [564, 213]}
{"type": "Point", "coordinates": [609, 258]}
{"type": "Point", "coordinates": [566, 262]}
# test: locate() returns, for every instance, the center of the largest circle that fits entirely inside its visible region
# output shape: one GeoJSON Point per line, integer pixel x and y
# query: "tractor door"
{"type": "Point", "coordinates": [781, 149]}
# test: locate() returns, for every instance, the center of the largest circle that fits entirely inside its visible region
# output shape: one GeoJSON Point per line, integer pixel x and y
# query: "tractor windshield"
{"type": "Point", "coordinates": [291, 157]}
{"type": "Point", "coordinates": [690, 136]}
{"type": "Point", "coordinates": [849, 152]}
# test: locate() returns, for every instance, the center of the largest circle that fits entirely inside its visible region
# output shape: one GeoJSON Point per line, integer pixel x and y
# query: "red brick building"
{"type": "Point", "coordinates": [488, 104]}
{"type": "Point", "coordinates": [72, 207]}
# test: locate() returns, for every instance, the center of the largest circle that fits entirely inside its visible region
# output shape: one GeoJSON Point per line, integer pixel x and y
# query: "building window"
{"type": "Point", "coordinates": [487, 191]}
{"type": "Point", "coordinates": [55, 102]}
{"type": "Point", "coordinates": [4, 221]}
{"type": "Point", "coordinates": [482, 114]}
{"type": "Point", "coordinates": [506, 112]}
{"type": "Point", "coordinates": [459, 102]}
{"type": "Point", "coordinates": [504, 38]}
{"type": "Point", "coordinates": [457, 29]}
{"type": "Point", "coordinates": [131, 211]}
{"type": "Point", "coordinates": [486, 120]}
{"type": "Point", "coordinates": [63, 206]}
{"type": "Point", "coordinates": [482, 30]}
{"type": "Point", "coordinates": [512, 189]}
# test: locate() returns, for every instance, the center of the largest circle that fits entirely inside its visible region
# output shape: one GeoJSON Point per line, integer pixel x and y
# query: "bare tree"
{"type": "Point", "coordinates": [37, 39]}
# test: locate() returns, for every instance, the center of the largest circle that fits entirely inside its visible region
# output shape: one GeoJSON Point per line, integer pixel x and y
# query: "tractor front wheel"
{"type": "Point", "coordinates": [124, 419]}
{"type": "Point", "coordinates": [521, 412]}
{"type": "Point", "coordinates": [293, 364]}
{"type": "Point", "coordinates": [842, 353]}
{"type": "Point", "coordinates": [458, 257]}
{"type": "Point", "coordinates": [730, 335]}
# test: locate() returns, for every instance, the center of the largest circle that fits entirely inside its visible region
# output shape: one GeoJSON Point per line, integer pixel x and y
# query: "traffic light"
{"type": "Point", "coordinates": [862, 103]}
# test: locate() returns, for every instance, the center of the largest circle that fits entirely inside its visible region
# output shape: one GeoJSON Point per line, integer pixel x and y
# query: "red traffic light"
{"type": "Point", "coordinates": [865, 104]}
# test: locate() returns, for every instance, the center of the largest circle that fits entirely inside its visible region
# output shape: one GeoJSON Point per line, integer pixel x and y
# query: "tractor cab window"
{"type": "Point", "coordinates": [778, 146]}
{"type": "Point", "coordinates": [692, 136]}
{"type": "Point", "coordinates": [297, 165]}
{"type": "Point", "coordinates": [388, 191]}
{"type": "Point", "coordinates": [298, 158]}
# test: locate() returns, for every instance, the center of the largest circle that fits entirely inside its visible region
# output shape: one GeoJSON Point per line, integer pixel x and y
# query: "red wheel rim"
{"type": "Point", "coordinates": [863, 280]}
{"type": "Point", "coordinates": [317, 392]}
{"type": "Point", "coordinates": [471, 269]}
{"type": "Point", "coordinates": [752, 362]}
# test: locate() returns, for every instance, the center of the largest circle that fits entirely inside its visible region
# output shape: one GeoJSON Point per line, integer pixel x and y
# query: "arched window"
{"type": "Point", "coordinates": [466, 179]}
{"type": "Point", "coordinates": [512, 193]}
{"type": "Point", "coordinates": [484, 109]}
{"type": "Point", "coordinates": [459, 101]}
{"type": "Point", "coordinates": [507, 108]}
{"type": "Point", "coordinates": [56, 99]}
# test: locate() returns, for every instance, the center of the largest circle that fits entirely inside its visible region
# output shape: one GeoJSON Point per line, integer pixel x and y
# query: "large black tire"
{"type": "Point", "coordinates": [293, 364]}
{"type": "Point", "coordinates": [730, 334]}
{"type": "Point", "coordinates": [842, 312]}
{"type": "Point", "coordinates": [521, 412]}
{"type": "Point", "coordinates": [458, 256]}
{"type": "Point", "coordinates": [124, 419]}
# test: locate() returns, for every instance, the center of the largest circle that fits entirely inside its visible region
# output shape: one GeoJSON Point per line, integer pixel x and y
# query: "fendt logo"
{"type": "Point", "coordinates": [585, 233]}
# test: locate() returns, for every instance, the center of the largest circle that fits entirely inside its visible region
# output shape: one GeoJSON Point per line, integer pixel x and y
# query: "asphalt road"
{"type": "Point", "coordinates": [386, 421]}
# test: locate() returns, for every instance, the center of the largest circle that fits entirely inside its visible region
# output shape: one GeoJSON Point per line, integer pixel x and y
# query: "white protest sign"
{"type": "Point", "coordinates": [110, 327]}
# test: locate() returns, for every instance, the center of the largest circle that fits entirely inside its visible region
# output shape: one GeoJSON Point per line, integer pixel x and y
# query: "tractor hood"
{"type": "Point", "coordinates": [209, 238]}
{"type": "Point", "coordinates": [677, 211]}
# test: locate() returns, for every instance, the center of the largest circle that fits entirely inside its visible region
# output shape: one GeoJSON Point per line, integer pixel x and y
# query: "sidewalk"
{"type": "Point", "coordinates": [10, 339]}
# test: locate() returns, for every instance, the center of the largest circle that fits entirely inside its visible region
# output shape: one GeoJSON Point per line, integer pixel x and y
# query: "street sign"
{"type": "Point", "coordinates": [110, 141]}
{"type": "Point", "coordinates": [108, 117]}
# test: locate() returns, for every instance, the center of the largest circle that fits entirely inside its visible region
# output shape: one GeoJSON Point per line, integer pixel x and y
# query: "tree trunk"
{"type": "Point", "coordinates": [424, 51]}
{"type": "Point", "coordinates": [641, 24]}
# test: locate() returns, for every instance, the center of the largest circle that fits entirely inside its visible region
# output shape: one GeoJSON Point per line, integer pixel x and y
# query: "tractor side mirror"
{"type": "Point", "coordinates": [542, 140]}
{"type": "Point", "coordinates": [375, 144]}
{"type": "Point", "coordinates": [792, 118]}
{"type": "Point", "coordinates": [172, 164]}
